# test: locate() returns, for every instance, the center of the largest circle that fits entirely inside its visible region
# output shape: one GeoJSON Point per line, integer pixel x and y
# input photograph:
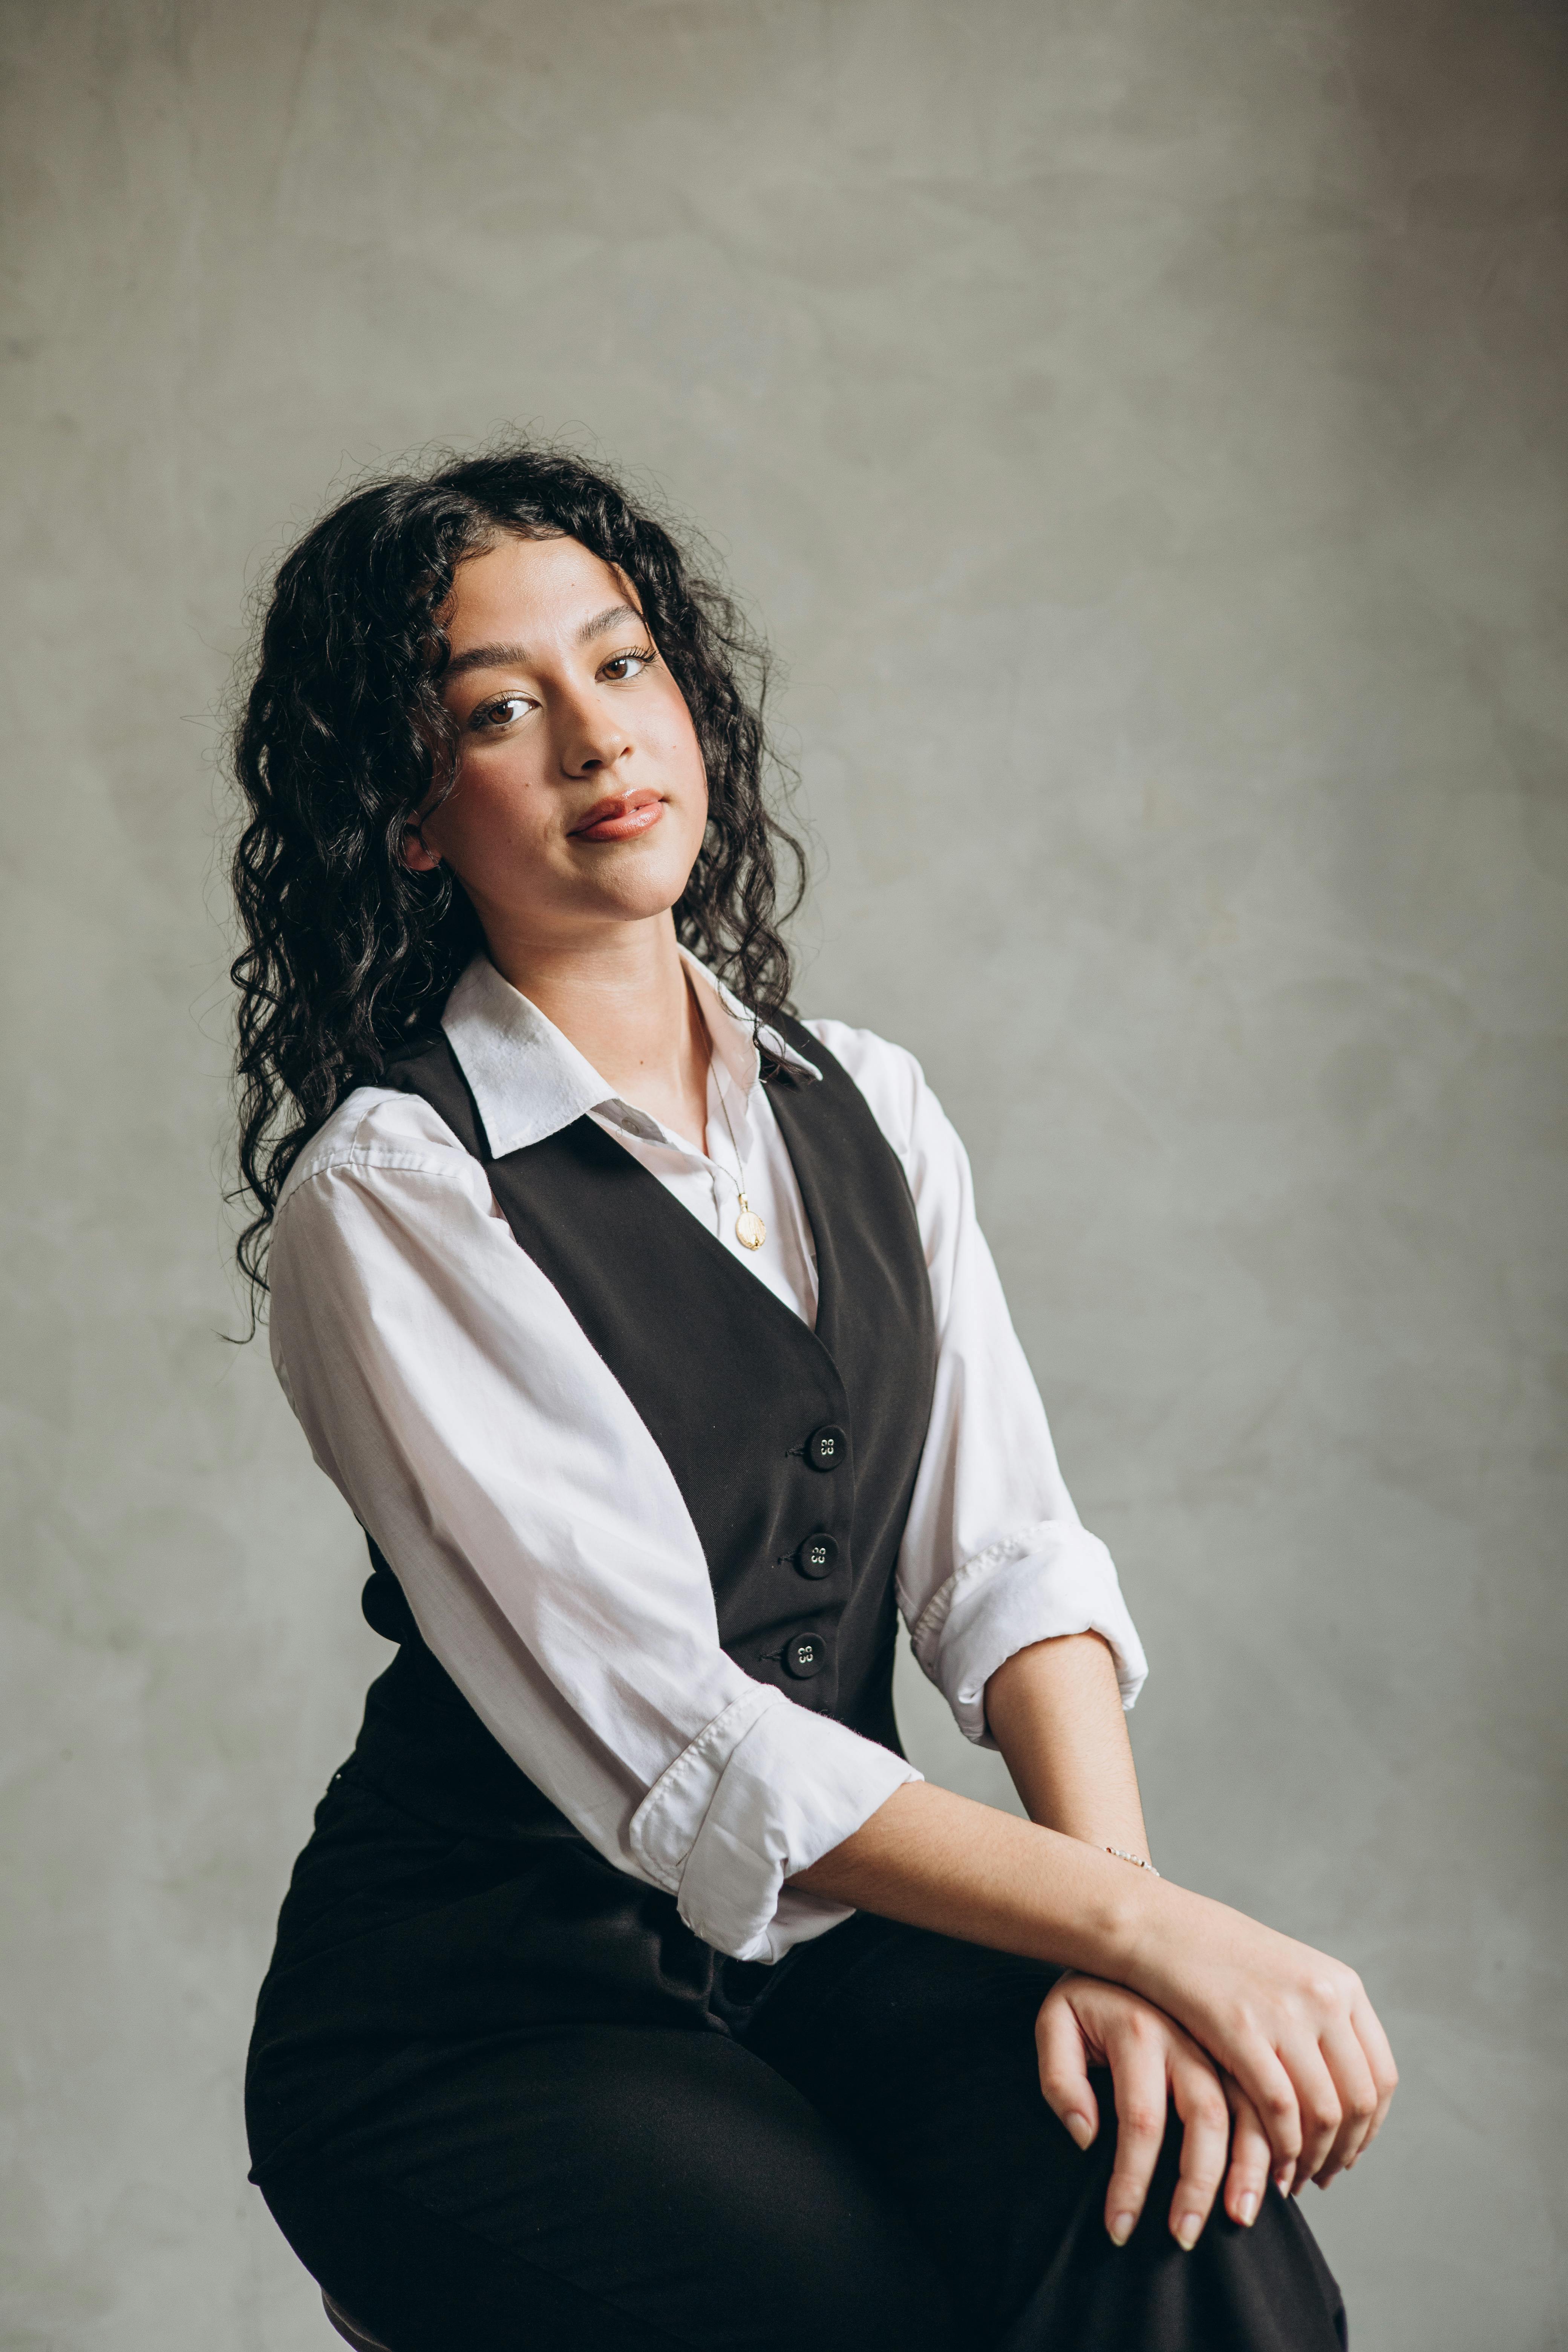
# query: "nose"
{"type": "Point", "coordinates": [592, 736]}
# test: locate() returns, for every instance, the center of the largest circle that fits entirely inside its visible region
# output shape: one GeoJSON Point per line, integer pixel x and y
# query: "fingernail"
{"type": "Point", "coordinates": [1282, 2180]}
{"type": "Point", "coordinates": [1080, 2127]}
{"type": "Point", "coordinates": [1247, 2211]}
{"type": "Point", "coordinates": [1188, 2230]}
{"type": "Point", "coordinates": [1121, 2229]}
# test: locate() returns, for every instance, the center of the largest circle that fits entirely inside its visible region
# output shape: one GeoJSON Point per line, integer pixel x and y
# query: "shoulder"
{"type": "Point", "coordinates": [929, 1148]}
{"type": "Point", "coordinates": [376, 1132]}
{"type": "Point", "coordinates": [888, 1076]}
{"type": "Point", "coordinates": [383, 1194]}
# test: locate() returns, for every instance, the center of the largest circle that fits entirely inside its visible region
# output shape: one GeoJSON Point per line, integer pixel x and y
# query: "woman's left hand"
{"type": "Point", "coordinates": [1084, 2023]}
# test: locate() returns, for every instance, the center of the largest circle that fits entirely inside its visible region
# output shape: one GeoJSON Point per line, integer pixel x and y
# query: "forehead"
{"type": "Point", "coordinates": [528, 590]}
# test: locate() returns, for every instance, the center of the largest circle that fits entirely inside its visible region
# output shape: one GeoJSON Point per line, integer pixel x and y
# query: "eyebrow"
{"type": "Point", "coordinates": [504, 657]}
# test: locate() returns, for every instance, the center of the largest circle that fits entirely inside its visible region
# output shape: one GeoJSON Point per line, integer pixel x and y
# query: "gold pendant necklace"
{"type": "Point", "coordinates": [750, 1230]}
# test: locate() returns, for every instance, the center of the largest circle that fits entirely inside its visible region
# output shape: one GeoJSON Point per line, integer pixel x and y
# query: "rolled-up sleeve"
{"type": "Point", "coordinates": [994, 1556]}
{"type": "Point", "coordinates": [544, 1547]}
{"type": "Point", "coordinates": [765, 1791]}
{"type": "Point", "coordinates": [1046, 1581]}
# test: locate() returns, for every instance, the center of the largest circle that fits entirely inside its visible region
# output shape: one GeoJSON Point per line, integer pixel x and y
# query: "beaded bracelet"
{"type": "Point", "coordinates": [1135, 1859]}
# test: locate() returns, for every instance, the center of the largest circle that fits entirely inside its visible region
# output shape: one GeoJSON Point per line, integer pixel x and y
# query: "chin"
{"type": "Point", "coordinates": [636, 897]}
{"type": "Point", "coordinates": [647, 883]}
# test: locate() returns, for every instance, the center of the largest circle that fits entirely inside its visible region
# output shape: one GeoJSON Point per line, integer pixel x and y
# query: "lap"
{"type": "Point", "coordinates": [866, 2160]}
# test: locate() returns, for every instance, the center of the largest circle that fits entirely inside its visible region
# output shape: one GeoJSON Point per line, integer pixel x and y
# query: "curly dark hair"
{"type": "Point", "coordinates": [344, 737]}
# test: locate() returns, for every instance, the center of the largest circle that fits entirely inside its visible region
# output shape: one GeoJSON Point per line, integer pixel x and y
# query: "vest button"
{"type": "Point", "coordinates": [826, 1447]}
{"type": "Point", "coordinates": [805, 1655]}
{"type": "Point", "coordinates": [817, 1555]}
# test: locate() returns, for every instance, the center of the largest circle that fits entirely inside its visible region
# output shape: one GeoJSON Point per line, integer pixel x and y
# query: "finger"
{"type": "Point", "coordinates": [1248, 2181]}
{"type": "Point", "coordinates": [1136, 2052]}
{"type": "Point", "coordinates": [1064, 2071]}
{"type": "Point", "coordinates": [1260, 2072]}
{"type": "Point", "coordinates": [1322, 2113]}
{"type": "Point", "coordinates": [1347, 2063]}
{"type": "Point", "coordinates": [1374, 2041]}
{"type": "Point", "coordinates": [1205, 2139]}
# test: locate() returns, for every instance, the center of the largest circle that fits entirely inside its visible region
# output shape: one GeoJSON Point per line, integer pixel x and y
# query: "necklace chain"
{"type": "Point", "coordinates": [750, 1230]}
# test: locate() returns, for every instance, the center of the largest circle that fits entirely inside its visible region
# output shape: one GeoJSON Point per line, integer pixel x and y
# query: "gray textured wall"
{"type": "Point", "coordinates": [1140, 423]}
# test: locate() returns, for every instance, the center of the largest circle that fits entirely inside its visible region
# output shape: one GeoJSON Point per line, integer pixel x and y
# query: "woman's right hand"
{"type": "Point", "coordinates": [1294, 2028]}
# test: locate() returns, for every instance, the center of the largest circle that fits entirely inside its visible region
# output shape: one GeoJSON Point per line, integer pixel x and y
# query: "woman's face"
{"type": "Point", "coordinates": [580, 796]}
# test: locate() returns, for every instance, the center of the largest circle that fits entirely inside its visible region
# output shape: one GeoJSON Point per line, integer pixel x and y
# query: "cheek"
{"type": "Point", "coordinates": [496, 804]}
{"type": "Point", "coordinates": [690, 800]}
{"type": "Point", "coordinates": [678, 748]}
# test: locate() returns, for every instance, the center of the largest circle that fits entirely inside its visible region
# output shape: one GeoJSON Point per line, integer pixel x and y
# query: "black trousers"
{"type": "Point", "coordinates": [856, 2157]}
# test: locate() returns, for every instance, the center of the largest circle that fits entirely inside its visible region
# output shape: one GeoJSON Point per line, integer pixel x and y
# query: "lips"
{"type": "Point", "coordinates": [621, 818]}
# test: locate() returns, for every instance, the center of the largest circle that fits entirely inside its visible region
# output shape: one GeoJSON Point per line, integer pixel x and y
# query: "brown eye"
{"type": "Point", "coordinates": [500, 712]}
{"type": "Point", "coordinates": [618, 670]}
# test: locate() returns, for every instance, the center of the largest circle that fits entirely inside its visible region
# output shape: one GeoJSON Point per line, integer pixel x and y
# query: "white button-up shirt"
{"type": "Point", "coordinates": [546, 1552]}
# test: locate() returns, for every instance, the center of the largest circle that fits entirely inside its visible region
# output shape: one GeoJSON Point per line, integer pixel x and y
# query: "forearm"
{"type": "Point", "coordinates": [935, 1860]}
{"type": "Point", "coordinates": [1055, 1711]}
{"type": "Point", "coordinates": [939, 1861]}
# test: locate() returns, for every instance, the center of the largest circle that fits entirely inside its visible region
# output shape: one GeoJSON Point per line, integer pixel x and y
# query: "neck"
{"type": "Point", "coordinates": [623, 999]}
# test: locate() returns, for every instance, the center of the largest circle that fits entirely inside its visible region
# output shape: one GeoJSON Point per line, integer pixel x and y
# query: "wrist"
{"type": "Point", "coordinates": [1114, 1930]}
{"type": "Point", "coordinates": [1138, 1860]}
{"type": "Point", "coordinates": [1166, 1933]}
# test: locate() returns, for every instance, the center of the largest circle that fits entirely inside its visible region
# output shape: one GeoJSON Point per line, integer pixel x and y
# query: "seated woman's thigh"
{"type": "Point", "coordinates": [611, 2188]}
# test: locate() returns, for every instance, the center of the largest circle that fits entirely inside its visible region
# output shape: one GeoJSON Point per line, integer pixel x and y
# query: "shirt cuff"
{"type": "Point", "coordinates": [1045, 1581]}
{"type": "Point", "coordinates": [766, 1789]}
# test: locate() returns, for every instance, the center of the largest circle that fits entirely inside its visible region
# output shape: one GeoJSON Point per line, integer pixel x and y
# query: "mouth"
{"type": "Point", "coordinates": [619, 818]}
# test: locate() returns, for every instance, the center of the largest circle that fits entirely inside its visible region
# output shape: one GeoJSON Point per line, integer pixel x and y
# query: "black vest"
{"type": "Point", "coordinates": [795, 1451]}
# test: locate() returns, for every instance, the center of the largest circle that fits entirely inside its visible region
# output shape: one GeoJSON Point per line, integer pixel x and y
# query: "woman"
{"type": "Point", "coordinates": [634, 1990]}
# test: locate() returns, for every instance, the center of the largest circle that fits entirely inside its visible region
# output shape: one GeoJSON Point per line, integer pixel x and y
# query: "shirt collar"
{"type": "Point", "coordinates": [528, 1079]}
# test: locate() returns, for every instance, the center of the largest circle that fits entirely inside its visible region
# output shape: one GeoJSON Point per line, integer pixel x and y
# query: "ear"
{"type": "Point", "coordinates": [418, 854]}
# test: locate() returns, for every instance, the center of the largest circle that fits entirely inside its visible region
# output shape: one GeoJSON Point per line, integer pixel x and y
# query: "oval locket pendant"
{"type": "Point", "coordinates": [750, 1230]}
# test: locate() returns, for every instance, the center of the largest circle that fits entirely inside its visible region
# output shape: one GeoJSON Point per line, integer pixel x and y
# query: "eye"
{"type": "Point", "coordinates": [629, 665]}
{"type": "Point", "coordinates": [502, 712]}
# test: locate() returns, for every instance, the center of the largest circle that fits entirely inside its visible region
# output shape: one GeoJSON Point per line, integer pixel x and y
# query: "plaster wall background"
{"type": "Point", "coordinates": [1141, 426]}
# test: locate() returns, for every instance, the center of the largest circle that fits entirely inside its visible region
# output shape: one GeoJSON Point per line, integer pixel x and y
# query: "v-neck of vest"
{"type": "Point", "coordinates": [757, 1292]}
{"type": "Point", "coordinates": [462, 1113]}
